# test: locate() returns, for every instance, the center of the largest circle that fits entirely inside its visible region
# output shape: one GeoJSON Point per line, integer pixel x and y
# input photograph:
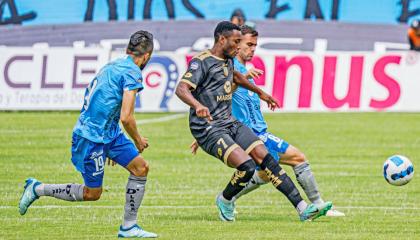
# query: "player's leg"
{"type": "Point", "coordinates": [297, 160]}
{"type": "Point", "coordinates": [278, 177]}
{"type": "Point", "coordinates": [284, 184]}
{"type": "Point", "coordinates": [221, 145]}
{"type": "Point", "coordinates": [88, 157]}
{"type": "Point", "coordinates": [124, 152]}
{"type": "Point", "coordinates": [260, 177]}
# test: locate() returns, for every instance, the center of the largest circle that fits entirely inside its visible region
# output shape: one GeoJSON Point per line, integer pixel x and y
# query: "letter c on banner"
{"type": "Point", "coordinates": [171, 70]}
{"type": "Point", "coordinates": [6, 72]}
{"type": "Point", "coordinates": [150, 82]}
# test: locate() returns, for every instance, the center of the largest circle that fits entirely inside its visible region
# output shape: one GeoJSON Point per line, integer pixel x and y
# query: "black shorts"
{"type": "Point", "coordinates": [220, 142]}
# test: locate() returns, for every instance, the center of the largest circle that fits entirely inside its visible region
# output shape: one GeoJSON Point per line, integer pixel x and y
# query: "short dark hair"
{"type": "Point", "coordinates": [224, 28]}
{"type": "Point", "coordinates": [141, 42]}
{"type": "Point", "coordinates": [238, 13]}
{"type": "Point", "coordinates": [245, 29]}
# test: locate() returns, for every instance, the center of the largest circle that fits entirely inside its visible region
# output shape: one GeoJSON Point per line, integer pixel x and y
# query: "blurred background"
{"type": "Point", "coordinates": [317, 55]}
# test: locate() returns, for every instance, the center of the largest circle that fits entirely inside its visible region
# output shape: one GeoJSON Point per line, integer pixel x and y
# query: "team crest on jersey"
{"type": "Point", "coordinates": [228, 87]}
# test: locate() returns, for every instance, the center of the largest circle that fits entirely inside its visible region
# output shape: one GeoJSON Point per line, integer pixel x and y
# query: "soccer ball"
{"type": "Point", "coordinates": [398, 170]}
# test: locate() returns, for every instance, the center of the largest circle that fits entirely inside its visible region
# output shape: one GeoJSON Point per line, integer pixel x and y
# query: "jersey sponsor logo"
{"type": "Point", "coordinates": [251, 112]}
{"type": "Point", "coordinates": [226, 97]}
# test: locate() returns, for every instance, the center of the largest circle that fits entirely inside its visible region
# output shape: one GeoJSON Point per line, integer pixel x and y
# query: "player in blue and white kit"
{"type": "Point", "coordinates": [109, 98]}
{"type": "Point", "coordinates": [246, 109]}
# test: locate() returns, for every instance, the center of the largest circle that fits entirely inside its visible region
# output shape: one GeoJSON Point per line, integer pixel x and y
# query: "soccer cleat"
{"type": "Point", "coordinates": [226, 210]}
{"type": "Point", "coordinates": [135, 231]}
{"type": "Point", "coordinates": [29, 195]}
{"type": "Point", "coordinates": [334, 213]}
{"type": "Point", "coordinates": [312, 212]}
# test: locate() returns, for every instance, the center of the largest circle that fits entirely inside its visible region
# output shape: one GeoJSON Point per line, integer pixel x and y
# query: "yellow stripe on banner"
{"type": "Point", "coordinates": [189, 83]}
{"type": "Point", "coordinates": [229, 151]}
{"type": "Point", "coordinates": [253, 145]}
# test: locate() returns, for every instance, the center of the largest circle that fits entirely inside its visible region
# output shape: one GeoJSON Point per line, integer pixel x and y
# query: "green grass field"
{"type": "Point", "coordinates": [346, 152]}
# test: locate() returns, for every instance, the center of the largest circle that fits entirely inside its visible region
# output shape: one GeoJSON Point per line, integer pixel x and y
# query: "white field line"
{"type": "Point", "coordinates": [201, 206]}
{"type": "Point", "coordinates": [138, 122]}
{"type": "Point", "coordinates": [160, 119]}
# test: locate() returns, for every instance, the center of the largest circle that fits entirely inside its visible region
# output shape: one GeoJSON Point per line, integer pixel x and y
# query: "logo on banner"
{"type": "Point", "coordinates": [161, 74]}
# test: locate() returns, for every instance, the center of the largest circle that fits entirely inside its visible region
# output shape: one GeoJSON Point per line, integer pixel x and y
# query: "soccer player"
{"type": "Point", "coordinates": [109, 98]}
{"type": "Point", "coordinates": [207, 88]}
{"type": "Point", "coordinates": [246, 109]}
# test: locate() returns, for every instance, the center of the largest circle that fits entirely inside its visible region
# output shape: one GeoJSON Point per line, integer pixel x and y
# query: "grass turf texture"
{"type": "Point", "coordinates": [346, 152]}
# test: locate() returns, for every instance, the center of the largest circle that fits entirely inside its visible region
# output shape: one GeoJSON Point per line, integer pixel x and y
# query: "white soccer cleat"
{"type": "Point", "coordinates": [334, 213]}
{"type": "Point", "coordinates": [135, 232]}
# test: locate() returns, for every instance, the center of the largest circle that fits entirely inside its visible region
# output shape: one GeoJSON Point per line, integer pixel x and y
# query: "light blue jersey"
{"type": "Point", "coordinates": [246, 109]}
{"type": "Point", "coordinates": [100, 114]}
{"type": "Point", "coordinates": [246, 104]}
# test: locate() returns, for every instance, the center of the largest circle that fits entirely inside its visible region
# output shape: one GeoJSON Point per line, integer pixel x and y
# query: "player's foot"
{"type": "Point", "coordinates": [29, 195]}
{"type": "Point", "coordinates": [226, 209]}
{"type": "Point", "coordinates": [135, 232]}
{"type": "Point", "coordinates": [334, 213]}
{"type": "Point", "coordinates": [312, 212]}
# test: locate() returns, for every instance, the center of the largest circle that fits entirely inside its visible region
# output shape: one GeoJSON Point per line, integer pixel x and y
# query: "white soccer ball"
{"type": "Point", "coordinates": [398, 170]}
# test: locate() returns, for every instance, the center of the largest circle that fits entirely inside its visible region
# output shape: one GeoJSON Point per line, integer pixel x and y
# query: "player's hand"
{"type": "Point", "coordinates": [203, 112]}
{"type": "Point", "coordinates": [194, 147]}
{"type": "Point", "coordinates": [271, 102]}
{"type": "Point", "coordinates": [143, 144]}
{"type": "Point", "coordinates": [111, 162]}
{"type": "Point", "coordinates": [254, 73]}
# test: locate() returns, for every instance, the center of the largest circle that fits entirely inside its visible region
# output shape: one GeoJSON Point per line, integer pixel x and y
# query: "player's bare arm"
{"type": "Point", "coordinates": [129, 122]}
{"type": "Point", "coordinates": [241, 80]}
{"type": "Point", "coordinates": [183, 91]}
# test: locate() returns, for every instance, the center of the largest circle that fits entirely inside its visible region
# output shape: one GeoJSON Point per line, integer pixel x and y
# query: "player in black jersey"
{"type": "Point", "coordinates": [207, 88]}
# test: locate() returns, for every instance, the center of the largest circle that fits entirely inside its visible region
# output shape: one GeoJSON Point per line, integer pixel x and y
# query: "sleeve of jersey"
{"type": "Point", "coordinates": [132, 81]}
{"type": "Point", "coordinates": [195, 73]}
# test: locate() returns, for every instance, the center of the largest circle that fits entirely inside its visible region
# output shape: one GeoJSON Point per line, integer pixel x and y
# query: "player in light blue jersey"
{"type": "Point", "coordinates": [246, 109]}
{"type": "Point", "coordinates": [97, 135]}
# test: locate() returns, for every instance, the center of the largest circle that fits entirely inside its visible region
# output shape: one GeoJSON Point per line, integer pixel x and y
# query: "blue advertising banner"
{"type": "Point", "coordinates": [30, 12]}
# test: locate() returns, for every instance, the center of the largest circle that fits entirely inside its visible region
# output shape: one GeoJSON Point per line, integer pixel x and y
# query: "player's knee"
{"type": "Point", "coordinates": [140, 170]}
{"type": "Point", "coordinates": [259, 153]}
{"type": "Point", "coordinates": [248, 167]}
{"type": "Point", "coordinates": [92, 195]}
{"type": "Point", "coordinates": [299, 157]}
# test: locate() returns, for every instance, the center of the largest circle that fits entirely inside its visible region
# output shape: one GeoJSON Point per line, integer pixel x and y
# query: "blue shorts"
{"type": "Point", "coordinates": [89, 157]}
{"type": "Point", "coordinates": [274, 145]}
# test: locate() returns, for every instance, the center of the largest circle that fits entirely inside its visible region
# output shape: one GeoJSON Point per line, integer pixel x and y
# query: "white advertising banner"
{"type": "Point", "coordinates": [55, 78]}
{"type": "Point", "coordinates": [43, 78]}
